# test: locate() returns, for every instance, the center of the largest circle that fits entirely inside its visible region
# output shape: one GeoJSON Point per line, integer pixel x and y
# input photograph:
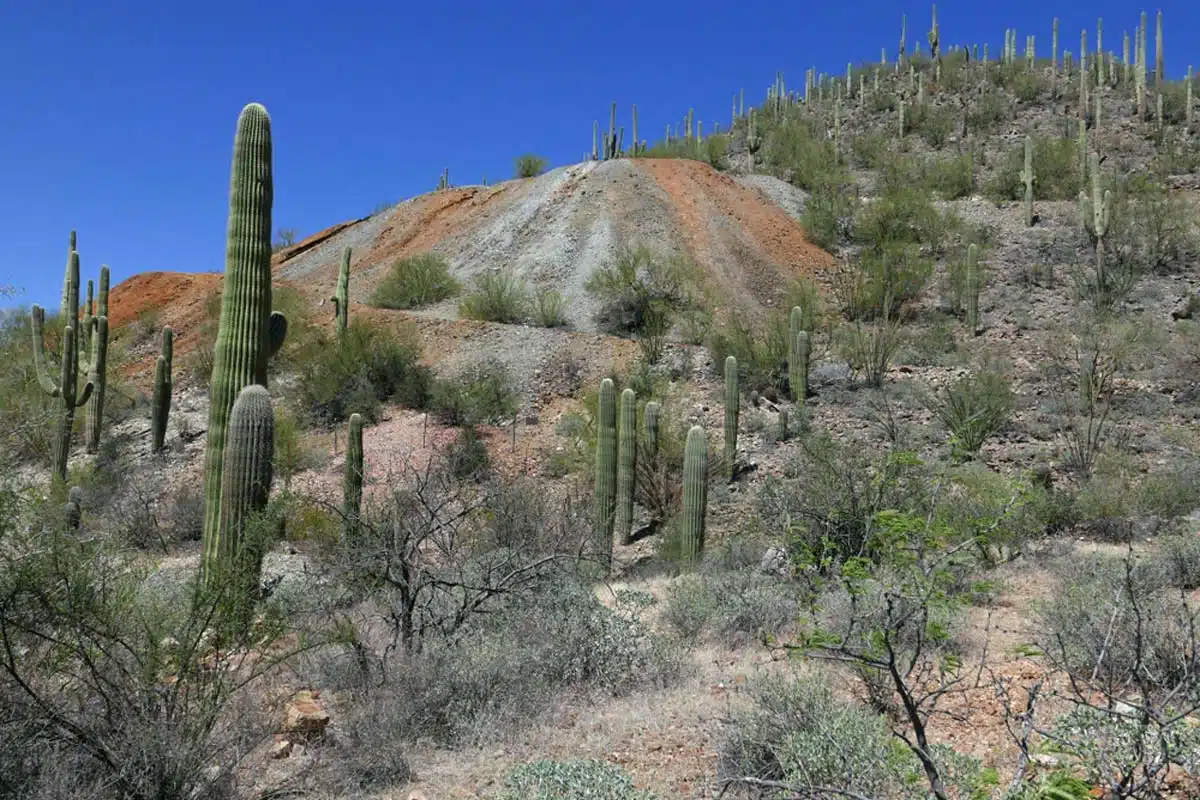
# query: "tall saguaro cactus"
{"type": "Point", "coordinates": [67, 386]}
{"type": "Point", "coordinates": [65, 310]}
{"type": "Point", "coordinates": [695, 493]}
{"type": "Point", "coordinates": [1094, 213]}
{"type": "Point", "coordinates": [651, 418]}
{"type": "Point", "coordinates": [795, 371]}
{"type": "Point", "coordinates": [732, 406]}
{"type": "Point", "coordinates": [249, 333]}
{"type": "Point", "coordinates": [606, 466]}
{"type": "Point", "coordinates": [352, 477]}
{"type": "Point", "coordinates": [97, 328]}
{"type": "Point", "coordinates": [246, 475]}
{"type": "Point", "coordinates": [160, 405]}
{"type": "Point", "coordinates": [626, 464]}
{"type": "Point", "coordinates": [1027, 177]}
{"type": "Point", "coordinates": [972, 289]}
{"type": "Point", "coordinates": [341, 297]}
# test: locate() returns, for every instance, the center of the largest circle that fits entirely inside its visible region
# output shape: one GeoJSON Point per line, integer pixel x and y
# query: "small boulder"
{"type": "Point", "coordinates": [304, 716]}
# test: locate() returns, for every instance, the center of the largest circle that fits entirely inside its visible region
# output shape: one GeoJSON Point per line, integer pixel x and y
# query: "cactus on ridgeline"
{"type": "Point", "coordinates": [652, 416]}
{"type": "Point", "coordinates": [160, 405]}
{"type": "Point", "coordinates": [248, 333]}
{"type": "Point", "coordinates": [636, 151]}
{"type": "Point", "coordinates": [626, 465]}
{"type": "Point", "coordinates": [972, 289]}
{"type": "Point", "coordinates": [1028, 178]}
{"type": "Point", "coordinates": [1187, 102]}
{"type": "Point", "coordinates": [1054, 47]}
{"type": "Point", "coordinates": [1094, 213]}
{"type": "Point", "coordinates": [352, 478]}
{"type": "Point", "coordinates": [73, 508]}
{"type": "Point", "coordinates": [934, 50]}
{"type": "Point", "coordinates": [65, 311]}
{"type": "Point", "coordinates": [606, 467]}
{"type": "Point", "coordinates": [1140, 69]}
{"type": "Point", "coordinates": [695, 494]}
{"type": "Point", "coordinates": [1158, 54]}
{"type": "Point", "coordinates": [246, 474]}
{"type": "Point", "coordinates": [341, 296]}
{"type": "Point", "coordinates": [67, 386]}
{"type": "Point", "coordinates": [97, 328]}
{"type": "Point", "coordinates": [732, 406]}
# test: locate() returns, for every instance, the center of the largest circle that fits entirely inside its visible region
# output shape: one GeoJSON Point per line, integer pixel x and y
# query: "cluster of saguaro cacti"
{"type": "Point", "coordinates": [73, 362]}
{"type": "Point", "coordinates": [160, 405]}
{"type": "Point", "coordinates": [444, 180]}
{"type": "Point", "coordinates": [732, 406]}
{"type": "Point", "coordinates": [606, 466]}
{"type": "Point", "coordinates": [626, 464]}
{"type": "Point", "coordinates": [352, 477]}
{"type": "Point", "coordinates": [695, 493]}
{"type": "Point", "coordinates": [798, 354]}
{"type": "Point", "coordinates": [341, 296]}
{"type": "Point", "coordinates": [972, 289]}
{"type": "Point", "coordinates": [1094, 214]}
{"type": "Point", "coordinates": [1027, 177]}
{"type": "Point", "coordinates": [247, 336]}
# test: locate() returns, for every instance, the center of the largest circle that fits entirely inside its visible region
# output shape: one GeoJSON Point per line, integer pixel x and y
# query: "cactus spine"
{"type": "Point", "coordinates": [352, 479]}
{"type": "Point", "coordinates": [626, 465]}
{"type": "Point", "coordinates": [606, 466]}
{"type": "Point", "coordinates": [160, 406]}
{"type": "Point", "coordinates": [245, 487]}
{"type": "Point", "coordinates": [1027, 177]}
{"type": "Point", "coordinates": [1094, 213]}
{"type": "Point", "coordinates": [972, 289]}
{"type": "Point", "coordinates": [695, 493]}
{"type": "Point", "coordinates": [249, 333]}
{"type": "Point", "coordinates": [67, 387]}
{"type": "Point", "coordinates": [732, 403]}
{"type": "Point", "coordinates": [341, 297]}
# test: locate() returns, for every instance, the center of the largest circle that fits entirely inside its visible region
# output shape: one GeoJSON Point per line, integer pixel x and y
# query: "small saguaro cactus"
{"type": "Point", "coordinates": [1028, 178]}
{"type": "Point", "coordinates": [160, 405]}
{"type": "Point", "coordinates": [1094, 213]}
{"type": "Point", "coordinates": [795, 325]}
{"type": "Point", "coordinates": [606, 466]}
{"type": "Point", "coordinates": [67, 387]}
{"type": "Point", "coordinates": [626, 465]}
{"type": "Point", "coordinates": [802, 348]}
{"type": "Point", "coordinates": [695, 494]}
{"type": "Point", "coordinates": [249, 333]}
{"type": "Point", "coordinates": [784, 429]}
{"type": "Point", "coordinates": [73, 508]}
{"type": "Point", "coordinates": [246, 476]}
{"type": "Point", "coordinates": [341, 296]}
{"type": "Point", "coordinates": [732, 406]}
{"type": "Point", "coordinates": [352, 478]}
{"type": "Point", "coordinates": [972, 289]}
{"type": "Point", "coordinates": [652, 416]}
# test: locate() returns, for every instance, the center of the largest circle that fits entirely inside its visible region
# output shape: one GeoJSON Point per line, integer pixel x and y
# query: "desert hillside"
{"type": "Point", "coordinates": [846, 451]}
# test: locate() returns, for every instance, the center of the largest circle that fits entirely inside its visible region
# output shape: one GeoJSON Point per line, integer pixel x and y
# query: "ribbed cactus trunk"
{"type": "Point", "coordinates": [796, 370]}
{"type": "Point", "coordinates": [67, 387]}
{"type": "Point", "coordinates": [341, 297]}
{"type": "Point", "coordinates": [245, 488]}
{"type": "Point", "coordinates": [1027, 177]}
{"type": "Point", "coordinates": [98, 367]}
{"type": "Point", "coordinates": [66, 311]}
{"type": "Point", "coordinates": [732, 406]}
{"type": "Point", "coordinates": [626, 465]}
{"type": "Point", "coordinates": [160, 405]}
{"type": "Point", "coordinates": [1094, 212]}
{"type": "Point", "coordinates": [972, 289]}
{"type": "Point", "coordinates": [606, 467]}
{"type": "Point", "coordinates": [695, 494]}
{"type": "Point", "coordinates": [802, 348]}
{"type": "Point", "coordinates": [352, 478]}
{"type": "Point", "coordinates": [249, 333]}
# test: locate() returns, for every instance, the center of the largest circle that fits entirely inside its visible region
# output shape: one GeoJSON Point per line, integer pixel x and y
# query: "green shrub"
{"type": "Point", "coordinates": [1180, 555]}
{"type": "Point", "coordinates": [368, 365]}
{"type": "Point", "coordinates": [761, 351]}
{"type": "Point", "coordinates": [549, 309]}
{"type": "Point", "coordinates": [1055, 167]}
{"type": "Point", "coordinates": [711, 150]}
{"type": "Point", "coordinates": [530, 165]}
{"type": "Point", "coordinates": [570, 780]}
{"type": "Point", "coordinates": [27, 414]}
{"type": "Point", "coordinates": [902, 215]}
{"type": "Point", "coordinates": [416, 282]}
{"type": "Point", "coordinates": [829, 212]}
{"type": "Point", "coordinates": [800, 153]}
{"type": "Point", "coordinates": [482, 395]}
{"type": "Point", "coordinates": [936, 127]}
{"type": "Point", "coordinates": [467, 455]}
{"type": "Point", "coordinates": [640, 291]}
{"type": "Point", "coordinates": [740, 605]}
{"type": "Point", "coordinates": [974, 409]}
{"type": "Point", "coordinates": [497, 296]}
{"type": "Point", "coordinates": [882, 282]}
{"type": "Point", "coordinates": [988, 111]}
{"type": "Point", "coordinates": [952, 178]}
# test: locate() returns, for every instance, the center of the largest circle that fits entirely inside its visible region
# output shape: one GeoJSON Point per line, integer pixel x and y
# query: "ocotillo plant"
{"type": "Point", "coordinates": [352, 478]}
{"type": "Point", "coordinates": [732, 403]}
{"type": "Point", "coordinates": [341, 296]}
{"type": "Point", "coordinates": [626, 465]}
{"type": "Point", "coordinates": [651, 419]}
{"type": "Point", "coordinates": [972, 289]}
{"type": "Point", "coordinates": [160, 406]}
{"type": "Point", "coordinates": [67, 387]}
{"type": "Point", "coordinates": [606, 466]}
{"type": "Point", "coordinates": [1027, 177]}
{"type": "Point", "coordinates": [248, 333]}
{"type": "Point", "coordinates": [695, 494]}
{"type": "Point", "coordinates": [1094, 213]}
{"type": "Point", "coordinates": [245, 487]}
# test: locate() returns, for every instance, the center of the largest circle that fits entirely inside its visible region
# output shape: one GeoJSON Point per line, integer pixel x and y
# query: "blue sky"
{"type": "Point", "coordinates": [117, 118]}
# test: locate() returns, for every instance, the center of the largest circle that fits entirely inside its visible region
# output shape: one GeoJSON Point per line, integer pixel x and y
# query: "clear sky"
{"type": "Point", "coordinates": [117, 117]}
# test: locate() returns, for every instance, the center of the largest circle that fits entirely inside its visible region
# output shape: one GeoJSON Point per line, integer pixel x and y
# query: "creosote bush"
{"type": "Point", "coordinates": [481, 395]}
{"type": "Point", "coordinates": [640, 291]}
{"type": "Point", "coordinates": [416, 282]}
{"type": "Point", "coordinates": [530, 165]}
{"type": "Point", "coordinates": [496, 296]}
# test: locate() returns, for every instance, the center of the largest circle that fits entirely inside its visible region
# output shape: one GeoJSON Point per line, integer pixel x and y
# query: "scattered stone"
{"type": "Point", "coordinates": [305, 717]}
{"type": "Point", "coordinates": [282, 747]}
{"type": "Point", "coordinates": [775, 561]}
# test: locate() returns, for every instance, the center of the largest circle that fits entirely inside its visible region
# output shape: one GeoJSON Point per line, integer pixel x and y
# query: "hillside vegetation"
{"type": "Point", "coordinates": [845, 450]}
